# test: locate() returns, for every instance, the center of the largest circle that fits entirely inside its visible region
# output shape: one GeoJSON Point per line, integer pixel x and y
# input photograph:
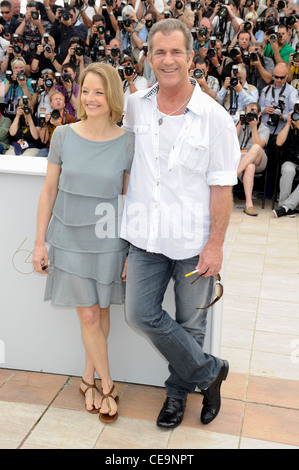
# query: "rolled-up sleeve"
{"type": "Point", "coordinates": [224, 156]}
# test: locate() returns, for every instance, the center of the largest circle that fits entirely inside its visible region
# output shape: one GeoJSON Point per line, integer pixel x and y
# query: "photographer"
{"type": "Point", "coordinates": [253, 137]}
{"type": "Point", "coordinates": [114, 52]}
{"type": "Point", "coordinates": [288, 139]}
{"type": "Point", "coordinates": [178, 10]}
{"type": "Point", "coordinates": [202, 36]}
{"type": "Point", "coordinates": [199, 71]}
{"type": "Point", "coordinates": [32, 28]}
{"type": "Point", "coordinates": [15, 85]}
{"type": "Point", "coordinates": [132, 82]}
{"type": "Point", "coordinates": [143, 66]}
{"type": "Point", "coordinates": [76, 55]}
{"type": "Point", "coordinates": [111, 10]}
{"type": "Point", "coordinates": [259, 68]}
{"type": "Point", "coordinates": [278, 48]}
{"type": "Point", "coordinates": [98, 39]}
{"type": "Point", "coordinates": [69, 88]}
{"type": "Point", "coordinates": [216, 60]}
{"type": "Point", "coordinates": [23, 131]}
{"type": "Point", "coordinates": [58, 116]}
{"type": "Point", "coordinates": [133, 33]}
{"type": "Point", "coordinates": [45, 86]}
{"type": "Point", "coordinates": [225, 22]}
{"type": "Point", "coordinates": [274, 114]}
{"type": "Point", "coordinates": [8, 24]}
{"type": "Point", "coordinates": [64, 28]}
{"type": "Point", "coordinates": [45, 56]}
{"type": "Point", "coordinates": [5, 124]}
{"type": "Point", "coordinates": [236, 93]}
{"type": "Point", "coordinates": [16, 50]}
{"type": "Point", "coordinates": [144, 7]}
{"type": "Point", "coordinates": [293, 68]}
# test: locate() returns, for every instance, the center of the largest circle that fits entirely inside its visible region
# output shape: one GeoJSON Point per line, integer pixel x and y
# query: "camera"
{"type": "Point", "coordinates": [109, 3]}
{"type": "Point", "coordinates": [274, 118]}
{"type": "Point", "coordinates": [55, 114]}
{"type": "Point", "coordinates": [127, 22]}
{"type": "Point", "coordinates": [296, 57]}
{"type": "Point", "coordinates": [129, 70]}
{"type": "Point", "coordinates": [236, 50]}
{"type": "Point", "coordinates": [66, 77]}
{"type": "Point", "coordinates": [48, 81]}
{"type": "Point", "coordinates": [281, 5]}
{"type": "Point", "coordinates": [33, 84]}
{"type": "Point", "coordinates": [114, 51]}
{"type": "Point", "coordinates": [101, 29]}
{"type": "Point", "coordinates": [247, 26]}
{"type": "Point", "coordinates": [179, 5]}
{"type": "Point", "coordinates": [34, 15]}
{"type": "Point", "coordinates": [295, 113]}
{"type": "Point", "coordinates": [198, 73]}
{"type": "Point", "coordinates": [64, 14]}
{"type": "Point", "coordinates": [234, 79]}
{"type": "Point", "coordinates": [47, 48]}
{"type": "Point", "coordinates": [8, 75]}
{"type": "Point", "coordinates": [42, 119]}
{"type": "Point", "coordinates": [79, 4]}
{"type": "Point", "coordinates": [202, 31]}
{"type": "Point", "coordinates": [248, 3]}
{"type": "Point", "coordinates": [149, 23]}
{"type": "Point", "coordinates": [26, 107]}
{"type": "Point", "coordinates": [251, 116]}
{"type": "Point", "coordinates": [211, 53]}
{"type": "Point", "coordinates": [145, 47]}
{"type": "Point", "coordinates": [253, 57]}
{"type": "Point", "coordinates": [246, 57]}
{"type": "Point", "coordinates": [21, 76]}
{"type": "Point", "coordinates": [223, 13]}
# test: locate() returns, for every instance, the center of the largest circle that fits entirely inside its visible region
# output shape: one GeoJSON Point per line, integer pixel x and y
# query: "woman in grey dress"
{"type": "Point", "coordinates": [78, 215]}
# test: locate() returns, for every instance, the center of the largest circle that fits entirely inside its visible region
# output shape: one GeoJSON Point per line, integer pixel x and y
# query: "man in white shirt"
{"type": "Point", "coordinates": [175, 217]}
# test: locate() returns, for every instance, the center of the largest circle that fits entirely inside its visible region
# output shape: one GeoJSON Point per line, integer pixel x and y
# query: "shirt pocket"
{"type": "Point", "coordinates": [194, 157]}
{"type": "Point", "coordinates": [140, 129]}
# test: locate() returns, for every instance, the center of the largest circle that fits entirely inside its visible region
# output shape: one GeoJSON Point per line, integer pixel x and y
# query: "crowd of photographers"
{"type": "Point", "coordinates": [245, 51]}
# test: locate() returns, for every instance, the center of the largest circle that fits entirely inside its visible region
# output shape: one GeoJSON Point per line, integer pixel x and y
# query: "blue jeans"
{"type": "Point", "coordinates": [181, 340]}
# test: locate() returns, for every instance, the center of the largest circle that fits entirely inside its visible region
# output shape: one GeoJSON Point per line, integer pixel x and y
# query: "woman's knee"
{"type": "Point", "coordinates": [89, 316]}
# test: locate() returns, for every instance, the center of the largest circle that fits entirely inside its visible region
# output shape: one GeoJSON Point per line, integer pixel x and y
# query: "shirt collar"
{"type": "Point", "coordinates": [194, 103]}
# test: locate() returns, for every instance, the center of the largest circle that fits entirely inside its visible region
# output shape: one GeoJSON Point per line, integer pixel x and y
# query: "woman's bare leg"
{"type": "Point", "coordinates": [95, 325]}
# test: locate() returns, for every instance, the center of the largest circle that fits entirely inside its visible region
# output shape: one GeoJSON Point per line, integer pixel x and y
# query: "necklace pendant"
{"type": "Point", "coordinates": [160, 121]}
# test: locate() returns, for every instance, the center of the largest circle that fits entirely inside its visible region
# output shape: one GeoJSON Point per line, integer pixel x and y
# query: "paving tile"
{"type": "Point", "coordinates": [263, 445]}
{"type": "Point", "coordinates": [183, 438]}
{"type": "Point", "coordinates": [6, 374]}
{"type": "Point", "coordinates": [65, 429]}
{"type": "Point", "coordinates": [16, 420]}
{"type": "Point", "coordinates": [271, 423]}
{"type": "Point", "coordinates": [274, 365]}
{"type": "Point", "coordinates": [273, 391]}
{"type": "Point", "coordinates": [127, 433]}
{"type": "Point", "coordinates": [141, 402]}
{"type": "Point", "coordinates": [32, 387]}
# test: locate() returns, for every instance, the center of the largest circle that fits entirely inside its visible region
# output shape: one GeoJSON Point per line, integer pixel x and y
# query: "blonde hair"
{"type": "Point", "coordinates": [56, 92]}
{"type": "Point", "coordinates": [112, 87]}
{"type": "Point", "coordinates": [17, 61]}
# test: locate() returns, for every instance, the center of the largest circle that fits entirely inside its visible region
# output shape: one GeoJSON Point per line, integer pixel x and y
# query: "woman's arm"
{"type": "Point", "coordinates": [44, 213]}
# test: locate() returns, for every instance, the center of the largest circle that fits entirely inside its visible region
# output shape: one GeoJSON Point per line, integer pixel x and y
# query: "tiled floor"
{"type": "Point", "coordinates": [260, 338]}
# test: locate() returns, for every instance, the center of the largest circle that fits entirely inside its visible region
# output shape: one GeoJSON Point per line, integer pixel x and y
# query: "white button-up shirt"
{"type": "Point", "coordinates": [168, 211]}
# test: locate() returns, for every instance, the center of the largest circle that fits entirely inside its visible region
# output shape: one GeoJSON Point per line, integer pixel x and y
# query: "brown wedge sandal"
{"type": "Point", "coordinates": [94, 410]}
{"type": "Point", "coordinates": [106, 417]}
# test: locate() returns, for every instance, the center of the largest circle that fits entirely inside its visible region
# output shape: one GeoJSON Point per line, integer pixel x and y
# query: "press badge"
{"type": "Point", "coordinates": [23, 144]}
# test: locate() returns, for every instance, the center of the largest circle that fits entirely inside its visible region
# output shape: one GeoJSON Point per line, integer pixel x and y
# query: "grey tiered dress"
{"type": "Point", "coordinates": [86, 252]}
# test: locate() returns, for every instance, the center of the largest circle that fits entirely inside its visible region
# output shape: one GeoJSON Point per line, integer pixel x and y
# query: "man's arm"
{"type": "Point", "coordinates": [211, 257]}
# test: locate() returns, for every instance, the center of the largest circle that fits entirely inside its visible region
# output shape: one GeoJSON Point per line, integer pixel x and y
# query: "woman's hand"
{"type": "Point", "coordinates": [124, 272]}
{"type": "Point", "coordinates": [40, 258]}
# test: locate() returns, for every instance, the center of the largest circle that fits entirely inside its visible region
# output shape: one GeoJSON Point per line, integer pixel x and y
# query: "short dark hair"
{"type": "Point", "coordinates": [7, 4]}
{"type": "Point", "coordinates": [68, 65]}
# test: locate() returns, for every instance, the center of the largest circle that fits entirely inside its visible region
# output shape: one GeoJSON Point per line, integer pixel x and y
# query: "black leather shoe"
{"type": "Point", "coordinates": [212, 399]}
{"type": "Point", "coordinates": [172, 413]}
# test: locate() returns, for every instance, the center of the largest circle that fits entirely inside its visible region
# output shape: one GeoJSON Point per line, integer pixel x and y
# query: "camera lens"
{"type": "Point", "coordinates": [128, 70]}
{"type": "Point", "coordinates": [211, 53]}
{"type": "Point", "coordinates": [295, 116]}
{"type": "Point", "coordinates": [198, 73]}
{"type": "Point", "coordinates": [55, 114]}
